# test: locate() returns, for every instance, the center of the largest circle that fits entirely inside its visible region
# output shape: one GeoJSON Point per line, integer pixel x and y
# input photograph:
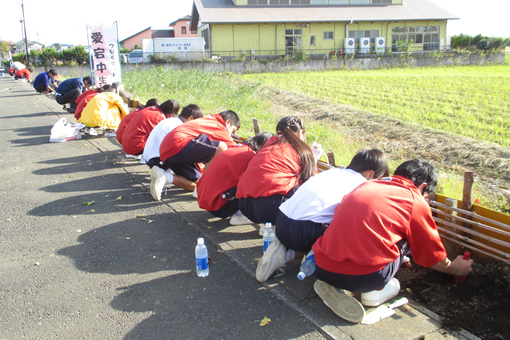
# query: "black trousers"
{"type": "Point", "coordinates": [68, 97]}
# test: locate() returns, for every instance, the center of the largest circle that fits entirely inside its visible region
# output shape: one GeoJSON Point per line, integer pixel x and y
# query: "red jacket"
{"type": "Point", "coordinates": [362, 237]}
{"type": "Point", "coordinates": [23, 73]}
{"type": "Point", "coordinates": [124, 123]}
{"type": "Point", "coordinates": [223, 174]}
{"type": "Point", "coordinates": [83, 102]}
{"type": "Point", "coordinates": [137, 131]}
{"type": "Point", "coordinates": [273, 171]}
{"type": "Point", "coordinates": [83, 95]}
{"type": "Point", "coordinates": [213, 126]}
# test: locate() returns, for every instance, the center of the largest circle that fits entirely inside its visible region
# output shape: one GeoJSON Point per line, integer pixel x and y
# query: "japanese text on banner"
{"type": "Point", "coordinates": [105, 55]}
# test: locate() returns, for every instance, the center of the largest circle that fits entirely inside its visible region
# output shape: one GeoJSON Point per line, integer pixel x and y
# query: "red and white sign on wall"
{"type": "Point", "coordinates": [105, 55]}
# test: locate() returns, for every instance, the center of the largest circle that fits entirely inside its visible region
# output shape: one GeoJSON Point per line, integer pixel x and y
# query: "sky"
{"type": "Point", "coordinates": [65, 21]}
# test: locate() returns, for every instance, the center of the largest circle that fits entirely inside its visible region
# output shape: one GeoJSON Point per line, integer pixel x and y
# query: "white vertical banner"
{"type": "Point", "coordinates": [105, 55]}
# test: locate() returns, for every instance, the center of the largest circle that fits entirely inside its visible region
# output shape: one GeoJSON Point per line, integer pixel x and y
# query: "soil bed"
{"type": "Point", "coordinates": [480, 304]}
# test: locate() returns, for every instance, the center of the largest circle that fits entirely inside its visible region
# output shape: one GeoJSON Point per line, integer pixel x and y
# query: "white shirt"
{"type": "Point", "coordinates": [157, 135]}
{"type": "Point", "coordinates": [318, 197]}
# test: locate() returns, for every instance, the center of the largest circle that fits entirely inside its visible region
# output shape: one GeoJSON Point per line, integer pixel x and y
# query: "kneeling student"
{"type": "Point", "coordinates": [371, 231]}
{"type": "Point", "coordinates": [127, 119]}
{"type": "Point", "coordinates": [284, 163]}
{"type": "Point", "coordinates": [23, 74]}
{"type": "Point", "coordinates": [303, 218]}
{"type": "Point", "coordinates": [198, 141]}
{"type": "Point", "coordinates": [159, 175]}
{"type": "Point", "coordinates": [217, 188]}
{"type": "Point", "coordinates": [138, 130]}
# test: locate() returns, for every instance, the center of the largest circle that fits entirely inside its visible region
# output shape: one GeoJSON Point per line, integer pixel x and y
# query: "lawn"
{"type": "Point", "coordinates": [472, 101]}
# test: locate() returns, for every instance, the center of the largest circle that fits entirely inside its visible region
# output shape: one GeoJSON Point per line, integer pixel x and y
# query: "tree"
{"type": "Point", "coordinates": [57, 46]}
{"type": "Point", "coordinates": [137, 47]}
{"type": "Point", "coordinates": [4, 48]}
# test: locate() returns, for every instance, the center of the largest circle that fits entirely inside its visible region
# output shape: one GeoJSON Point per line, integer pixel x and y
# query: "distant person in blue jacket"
{"type": "Point", "coordinates": [43, 80]}
{"type": "Point", "coordinates": [70, 89]}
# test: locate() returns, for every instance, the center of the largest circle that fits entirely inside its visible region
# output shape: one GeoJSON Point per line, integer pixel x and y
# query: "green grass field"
{"type": "Point", "coordinates": [214, 92]}
{"type": "Point", "coordinates": [472, 101]}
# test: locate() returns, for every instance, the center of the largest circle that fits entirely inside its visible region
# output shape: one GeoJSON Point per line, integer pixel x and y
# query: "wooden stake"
{"type": "Point", "coordinates": [256, 126]}
{"type": "Point", "coordinates": [466, 195]}
{"type": "Point", "coordinates": [450, 246]}
{"type": "Point", "coordinates": [331, 158]}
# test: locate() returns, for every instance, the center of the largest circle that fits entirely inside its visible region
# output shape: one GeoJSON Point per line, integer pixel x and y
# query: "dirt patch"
{"type": "Point", "coordinates": [478, 305]}
{"type": "Point", "coordinates": [490, 162]}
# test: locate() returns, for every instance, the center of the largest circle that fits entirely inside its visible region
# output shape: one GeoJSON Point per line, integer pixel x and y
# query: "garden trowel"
{"type": "Point", "coordinates": [382, 312]}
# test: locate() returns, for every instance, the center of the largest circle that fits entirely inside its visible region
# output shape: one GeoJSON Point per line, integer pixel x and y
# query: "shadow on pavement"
{"type": "Point", "coordinates": [135, 245]}
{"type": "Point", "coordinates": [32, 115]}
{"type": "Point", "coordinates": [106, 202]}
{"type": "Point", "coordinates": [185, 306]}
{"type": "Point", "coordinates": [77, 164]}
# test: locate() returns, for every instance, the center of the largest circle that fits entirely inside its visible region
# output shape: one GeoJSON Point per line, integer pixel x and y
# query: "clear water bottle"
{"type": "Point", "coordinates": [268, 236]}
{"type": "Point", "coordinates": [308, 267]}
{"type": "Point", "coordinates": [201, 258]}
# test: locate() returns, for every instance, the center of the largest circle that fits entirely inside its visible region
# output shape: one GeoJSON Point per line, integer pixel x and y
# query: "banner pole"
{"type": "Point", "coordinates": [118, 49]}
{"type": "Point", "coordinates": [90, 56]}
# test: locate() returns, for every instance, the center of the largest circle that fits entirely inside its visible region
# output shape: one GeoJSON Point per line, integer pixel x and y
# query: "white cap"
{"type": "Point", "coordinates": [268, 225]}
{"type": "Point", "coordinates": [200, 240]}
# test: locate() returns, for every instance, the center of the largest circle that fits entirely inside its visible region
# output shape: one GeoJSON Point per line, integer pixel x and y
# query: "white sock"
{"type": "Point", "coordinates": [169, 177]}
{"type": "Point", "coordinates": [290, 255]}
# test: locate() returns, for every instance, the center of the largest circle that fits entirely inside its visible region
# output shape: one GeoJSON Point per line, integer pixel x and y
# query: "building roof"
{"type": "Point", "coordinates": [148, 28]}
{"type": "Point", "coordinates": [187, 17]}
{"type": "Point", "coordinates": [31, 42]}
{"type": "Point", "coordinates": [224, 11]}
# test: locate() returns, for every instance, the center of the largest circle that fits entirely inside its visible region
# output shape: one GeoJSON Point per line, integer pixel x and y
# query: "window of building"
{"type": "Point", "coordinates": [360, 2]}
{"type": "Point", "coordinates": [378, 2]}
{"type": "Point", "coordinates": [183, 29]}
{"type": "Point", "coordinates": [278, 2]}
{"type": "Point", "coordinates": [320, 2]}
{"type": "Point", "coordinates": [293, 38]}
{"type": "Point", "coordinates": [327, 36]}
{"type": "Point", "coordinates": [257, 2]}
{"type": "Point", "coordinates": [426, 35]}
{"type": "Point", "coordinates": [312, 40]}
{"type": "Point", "coordinates": [300, 2]}
{"type": "Point", "coordinates": [339, 2]}
{"type": "Point", "coordinates": [372, 34]}
{"type": "Point", "coordinates": [205, 35]}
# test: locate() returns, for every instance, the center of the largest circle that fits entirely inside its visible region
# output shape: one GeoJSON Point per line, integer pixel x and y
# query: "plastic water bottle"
{"type": "Point", "coordinates": [201, 258]}
{"type": "Point", "coordinates": [308, 267]}
{"type": "Point", "coordinates": [268, 236]}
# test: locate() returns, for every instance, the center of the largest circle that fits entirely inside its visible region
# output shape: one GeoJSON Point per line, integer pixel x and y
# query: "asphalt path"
{"type": "Point", "coordinates": [122, 267]}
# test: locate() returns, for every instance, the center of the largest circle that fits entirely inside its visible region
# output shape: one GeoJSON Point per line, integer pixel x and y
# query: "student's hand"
{"type": "Point", "coordinates": [317, 151]}
{"type": "Point", "coordinates": [462, 267]}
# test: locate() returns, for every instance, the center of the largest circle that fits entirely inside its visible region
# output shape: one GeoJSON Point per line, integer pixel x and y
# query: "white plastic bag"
{"type": "Point", "coordinates": [63, 131]}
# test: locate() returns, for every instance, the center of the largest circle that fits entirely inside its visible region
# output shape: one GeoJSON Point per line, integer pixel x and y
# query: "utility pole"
{"type": "Point", "coordinates": [25, 29]}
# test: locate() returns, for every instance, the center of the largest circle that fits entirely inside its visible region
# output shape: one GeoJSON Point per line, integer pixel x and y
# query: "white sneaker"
{"type": "Point", "coordinates": [273, 258]}
{"type": "Point", "coordinates": [158, 182]}
{"type": "Point", "coordinates": [110, 133]}
{"type": "Point", "coordinates": [90, 131]}
{"type": "Point", "coordinates": [343, 305]}
{"type": "Point", "coordinates": [376, 297]}
{"type": "Point", "coordinates": [239, 219]}
{"type": "Point", "coordinates": [195, 194]}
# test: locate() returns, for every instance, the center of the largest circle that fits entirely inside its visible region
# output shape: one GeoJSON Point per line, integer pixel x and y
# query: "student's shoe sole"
{"type": "Point", "coordinates": [273, 259]}
{"type": "Point", "coordinates": [345, 306]}
{"type": "Point", "coordinates": [154, 183]}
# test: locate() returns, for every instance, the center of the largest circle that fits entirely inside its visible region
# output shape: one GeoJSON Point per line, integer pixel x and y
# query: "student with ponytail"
{"type": "Point", "coordinates": [283, 164]}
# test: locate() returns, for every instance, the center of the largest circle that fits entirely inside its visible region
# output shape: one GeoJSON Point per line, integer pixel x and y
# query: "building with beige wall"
{"type": "Point", "coordinates": [276, 28]}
